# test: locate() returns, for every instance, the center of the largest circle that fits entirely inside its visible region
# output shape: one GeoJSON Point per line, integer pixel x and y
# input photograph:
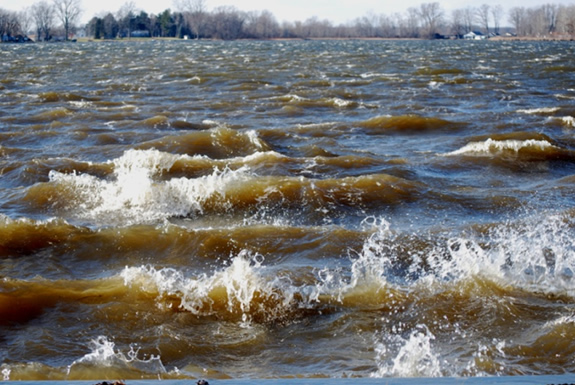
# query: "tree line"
{"type": "Point", "coordinates": [44, 19]}
{"type": "Point", "coordinates": [192, 19]}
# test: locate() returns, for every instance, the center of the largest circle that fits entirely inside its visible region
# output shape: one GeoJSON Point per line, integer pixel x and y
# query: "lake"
{"type": "Point", "coordinates": [287, 209]}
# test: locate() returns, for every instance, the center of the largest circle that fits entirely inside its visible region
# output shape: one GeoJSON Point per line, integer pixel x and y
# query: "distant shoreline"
{"type": "Point", "coordinates": [141, 39]}
{"type": "Point", "coordinates": [497, 38]}
{"type": "Point", "coordinates": [532, 38]}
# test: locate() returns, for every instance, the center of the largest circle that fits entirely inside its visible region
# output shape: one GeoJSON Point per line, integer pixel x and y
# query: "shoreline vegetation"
{"type": "Point", "coordinates": [58, 20]}
{"type": "Point", "coordinates": [496, 38]}
{"type": "Point", "coordinates": [126, 40]}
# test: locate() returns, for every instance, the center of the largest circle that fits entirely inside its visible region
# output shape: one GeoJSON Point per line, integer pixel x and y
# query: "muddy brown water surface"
{"type": "Point", "coordinates": [291, 209]}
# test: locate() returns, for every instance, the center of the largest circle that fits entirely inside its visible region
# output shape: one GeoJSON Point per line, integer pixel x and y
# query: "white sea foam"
{"type": "Point", "coordinates": [535, 254]}
{"type": "Point", "coordinates": [289, 98]}
{"type": "Point", "coordinates": [560, 321]}
{"type": "Point", "coordinates": [242, 281]}
{"type": "Point", "coordinates": [434, 85]}
{"type": "Point", "coordinates": [81, 103]}
{"type": "Point", "coordinates": [254, 139]}
{"type": "Point", "coordinates": [368, 75]}
{"type": "Point", "coordinates": [6, 374]}
{"type": "Point", "coordinates": [136, 195]}
{"type": "Point", "coordinates": [258, 156]}
{"type": "Point", "coordinates": [542, 110]}
{"type": "Point", "coordinates": [413, 356]}
{"type": "Point", "coordinates": [341, 103]}
{"type": "Point", "coordinates": [563, 96]}
{"type": "Point", "coordinates": [6, 220]}
{"type": "Point", "coordinates": [490, 147]}
{"type": "Point", "coordinates": [568, 121]}
{"type": "Point", "coordinates": [248, 285]}
{"type": "Point", "coordinates": [104, 356]}
{"type": "Point", "coordinates": [491, 355]}
{"type": "Point", "coordinates": [102, 352]}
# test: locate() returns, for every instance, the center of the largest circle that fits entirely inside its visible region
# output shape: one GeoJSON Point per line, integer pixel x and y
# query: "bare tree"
{"type": "Point", "coordinates": [228, 23]}
{"type": "Point", "coordinates": [43, 15]}
{"type": "Point", "coordinates": [9, 23]}
{"type": "Point", "coordinates": [195, 13]}
{"type": "Point", "coordinates": [497, 14]}
{"type": "Point", "coordinates": [25, 20]}
{"type": "Point", "coordinates": [409, 26]}
{"type": "Point", "coordinates": [483, 16]}
{"type": "Point", "coordinates": [126, 17]}
{"type": "Point", "coordinates": [566, 23]}
{"type": "Point", "coordinates": [468, 18]}
{"type": "Point", "coordinates": [68, 11]}
{"type": "Point", "coordinates": [309, 28]}
{"type": "Point", "coordinates": [262, 24]}
{"type": "Point", "coordinates": [431, 16]}
{"type": "Point", "coordinates": [366, 26]}
{"type": "Point", "coordinates": [387, 26]}
{"type": "Point", "coordinates": [457, 22]}
{"type": "Point", "coordinates": [268, 25]}
{"type": "Point", "coordinates": [551, 14]}
{"type": "Point", "coordinates": [536, 24]}
{"type": "Point", "coordinates": [517, 19]}
{"type": "Point", "coordinates": [314, 27]}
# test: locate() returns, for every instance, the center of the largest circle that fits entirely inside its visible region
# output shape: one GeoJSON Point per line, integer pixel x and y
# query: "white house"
{"type": "Point", "coordinates": [474, 35]}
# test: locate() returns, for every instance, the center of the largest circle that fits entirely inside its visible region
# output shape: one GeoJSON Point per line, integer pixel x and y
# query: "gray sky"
{"type": "Point", "coordinates": [337, 11]}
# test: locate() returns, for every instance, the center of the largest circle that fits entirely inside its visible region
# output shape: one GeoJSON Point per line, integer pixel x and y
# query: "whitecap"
{"type": "Point", "coordinates": [490, 147]}
{"type": "Point", "coordinates": [241, 282]}
{"type": "Point", "coordinates": [542, 110]}
{"type": "Point", "coordinates": [103, 355]}
{"type": "Point", "coordinates": [413, 356]}
{"type": "Point", "coordinates": [136, 193]}
{"type": "Point", "coordinates": [568, 121]}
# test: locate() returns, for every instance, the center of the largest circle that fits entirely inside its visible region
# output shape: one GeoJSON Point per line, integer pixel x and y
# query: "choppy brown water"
{"type": "Point", "coordinates": [286, 209]}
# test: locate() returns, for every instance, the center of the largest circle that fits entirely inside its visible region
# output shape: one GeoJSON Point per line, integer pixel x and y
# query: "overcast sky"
{"type": "Point", "coordinates": [337, 11]}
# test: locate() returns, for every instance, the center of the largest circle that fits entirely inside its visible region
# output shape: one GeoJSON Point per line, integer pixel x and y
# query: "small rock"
{"type": "Point", "coordinates": [111, 383]}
